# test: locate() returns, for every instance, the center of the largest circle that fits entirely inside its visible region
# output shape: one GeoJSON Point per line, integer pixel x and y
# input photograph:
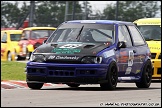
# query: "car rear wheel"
{"type": "Point", "coordinates": [35, 85]}
{"type": "Point", "coordinates": [112, 78]}
{"type": "Point", "coordinates": [73, 85]}
{"type": "Point", "coordinates": [146, 76]}
{"type": "Point", "coordinates": [9, 56]}
{"type": "Point", "coordinates": [16, 56]}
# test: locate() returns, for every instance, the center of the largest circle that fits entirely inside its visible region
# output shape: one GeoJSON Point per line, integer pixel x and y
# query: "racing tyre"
{"type": "Point", "coordinates": [35, 85]}
{"type": "Point", "coordinates": [146, 76]}
{"type": "Point", "coordinates": [112, 78]}
{"type": "Point", "coordinates": [28, 55]}
{"type": "Point", "coordinates": [9, 56]}
{"type": "Point", "coordinates": [73, 85]}
{"type": "Point", "coordinates": [16, 56]}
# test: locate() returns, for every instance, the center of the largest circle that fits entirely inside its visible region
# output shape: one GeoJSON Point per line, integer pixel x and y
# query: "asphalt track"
{"type": "Point", "coordinates": [60, 95]}
{"type": "Point", "coordinates": [17, 94]}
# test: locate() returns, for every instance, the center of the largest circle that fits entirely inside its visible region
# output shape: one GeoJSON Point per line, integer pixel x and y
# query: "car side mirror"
{"type": "Point", "coordinates": [44, 41]}
{"type": "Point", "coordinates": [121, 44]}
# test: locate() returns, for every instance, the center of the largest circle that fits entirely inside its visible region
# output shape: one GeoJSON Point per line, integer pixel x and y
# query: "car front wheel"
{"type": "Point", "coordinates": [28, 55]}
{"type": "Point", "coordinates": [112, 78]}
{"type": "Point", "coordinates": [35, 85]}
{"type": "Point", "coordinates": [9, 56]}
{"type": "Point", "coordinates": [146, 76]}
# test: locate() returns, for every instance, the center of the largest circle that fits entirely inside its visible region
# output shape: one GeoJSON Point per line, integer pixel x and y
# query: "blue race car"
{"type": "Point", "coordinates": [101, 52]}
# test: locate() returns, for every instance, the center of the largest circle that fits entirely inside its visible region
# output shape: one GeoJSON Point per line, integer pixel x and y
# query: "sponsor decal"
{"type": "Point", "coordinates": [123, 57]}
{"type": "Point", "coordinates": [128, 70]}
{"type": "Point", "coordinates": [65, 51]}
{"type": "Point", "coordinates": [63, 57]}
{"type": "Point", "coordinates": [109, 53]}
{"type": "Point", "coordinates": [130, 62]}
{"type": "Point", "coordinates": [84, 21]}
{"type": "Point", "coordinates": [140, 58]}
{"type": "Point", "coordinates": [131, 57]}
{"type": "Point", "coordinates": [137, 71]}
{"type": "Point", "coordinates": [71, 46]}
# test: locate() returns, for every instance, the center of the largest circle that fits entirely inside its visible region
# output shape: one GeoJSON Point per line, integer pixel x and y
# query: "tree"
{"type": "Point", "coordinates": [9, 13]}
{"type": "Point", "coordinates": [132, 10]}
{"type": "Point", "coordinates": [47, 13]}
{"type": "Point", "coordinates": [51, 13]}
{"type": "Point", "coordinates": [87, 9]}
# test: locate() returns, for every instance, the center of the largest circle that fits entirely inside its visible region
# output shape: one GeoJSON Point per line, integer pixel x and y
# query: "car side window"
{"type": "Point", "coordinates": [4, 37]}
{"type": "Point", "coordinates": [102, 35]}
{"type": "Point", "coordinates": [123, 35]}
{"type": "Point", "coordinates": [136, 36]}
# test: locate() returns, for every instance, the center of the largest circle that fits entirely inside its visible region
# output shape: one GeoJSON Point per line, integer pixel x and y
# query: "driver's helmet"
{"type": "Point", "coordinates": [87, 36]}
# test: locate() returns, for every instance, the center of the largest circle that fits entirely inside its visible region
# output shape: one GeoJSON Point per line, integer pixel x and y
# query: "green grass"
{"type": "Point", "coordinates": [12, 70]}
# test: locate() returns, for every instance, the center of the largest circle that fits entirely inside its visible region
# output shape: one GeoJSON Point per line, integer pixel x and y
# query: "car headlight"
{"type": "Point", "coordinates": [91, 60]}
{"type": "Point", "coordinates": [37, 58]}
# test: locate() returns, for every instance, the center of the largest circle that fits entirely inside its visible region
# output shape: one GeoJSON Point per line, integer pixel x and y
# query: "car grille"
{"type": "Point", "coordinates": [153, 55]}
{"type": "Point", "coordinates": [61, 71]}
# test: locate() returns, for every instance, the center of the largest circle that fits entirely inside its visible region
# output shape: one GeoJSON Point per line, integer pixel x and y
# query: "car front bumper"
{"type": "Point", "coordinates": [156, 68]}
{"type": "Point", "coordinates": [66, 73]}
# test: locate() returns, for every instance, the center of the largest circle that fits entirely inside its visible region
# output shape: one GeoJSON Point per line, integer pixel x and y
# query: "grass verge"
{"type": "Point", "coordinates": [12, 70]}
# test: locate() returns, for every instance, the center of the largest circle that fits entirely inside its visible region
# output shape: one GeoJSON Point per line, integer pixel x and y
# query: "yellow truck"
{"type": "Point", "coordinates": [151, 30]}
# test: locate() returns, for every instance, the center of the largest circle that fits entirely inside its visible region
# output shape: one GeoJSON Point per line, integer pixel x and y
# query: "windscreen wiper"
{"type": "Point", "coordinates": [78, 37]}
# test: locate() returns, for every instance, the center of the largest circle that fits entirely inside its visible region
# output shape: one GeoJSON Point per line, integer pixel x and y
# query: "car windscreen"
{"type": "Point", "coordinates": [15, 37]}
{"type": "Point", "coordinates": [150, 32]}
{"type": "Point", "coordinates": [36, 34]}
{"type": "Point", "coordinates": [83, 33]}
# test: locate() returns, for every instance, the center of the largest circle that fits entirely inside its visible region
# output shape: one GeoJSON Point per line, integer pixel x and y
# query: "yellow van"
{"type": "Point", "coordinates": [151, 30]}
{"type": "Point", "coordinates": [9, 44]}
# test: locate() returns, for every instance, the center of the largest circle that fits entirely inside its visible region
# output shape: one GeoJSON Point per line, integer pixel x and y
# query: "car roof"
{"type": "Point", "coordinates": [39, 28]}
{"type": "Point", "coordinates": [101, 22]}
{"type": "Point", "coordinates": [12, 31]}
{"type": "Point", "coordinates": [148, 21]}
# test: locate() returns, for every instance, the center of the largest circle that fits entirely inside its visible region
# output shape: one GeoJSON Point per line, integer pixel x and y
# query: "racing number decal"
{"type": "Point", "coordinates": [71, 46]}
{"type": "Point", "coordinates": [130, 59]}
{"type": "Point", "coordinates": [130, 62]}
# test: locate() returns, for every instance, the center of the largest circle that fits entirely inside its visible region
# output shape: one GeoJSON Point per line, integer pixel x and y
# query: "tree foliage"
{"type": "Point", "coordinates": [46, 13]}
{"type": "Point", "coordinates": [132, 10]}
{"type": "Point", "coordinates": [52, 13]}
{"type": "Point", "coordinates": [6, 17]}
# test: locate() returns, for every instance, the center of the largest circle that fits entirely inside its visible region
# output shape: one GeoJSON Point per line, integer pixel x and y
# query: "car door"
{"type": "Point", "coordinates": [140, 47]}
{"type": "Point", "coordinates": [126, 55]}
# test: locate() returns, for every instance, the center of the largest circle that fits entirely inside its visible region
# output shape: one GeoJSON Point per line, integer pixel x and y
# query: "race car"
{"type": "Point", "coordinates": [31, 38]}
{"type": "Point", "coordinates": [9, 44]}
{"type": "Point", "coordinates": [101, 52]}
{"type": "Point", "coordinates": [151, 30]}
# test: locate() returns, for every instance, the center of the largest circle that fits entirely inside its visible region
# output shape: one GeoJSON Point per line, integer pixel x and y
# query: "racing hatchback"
{"type": "Point", "coordinates": [101, 52]}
